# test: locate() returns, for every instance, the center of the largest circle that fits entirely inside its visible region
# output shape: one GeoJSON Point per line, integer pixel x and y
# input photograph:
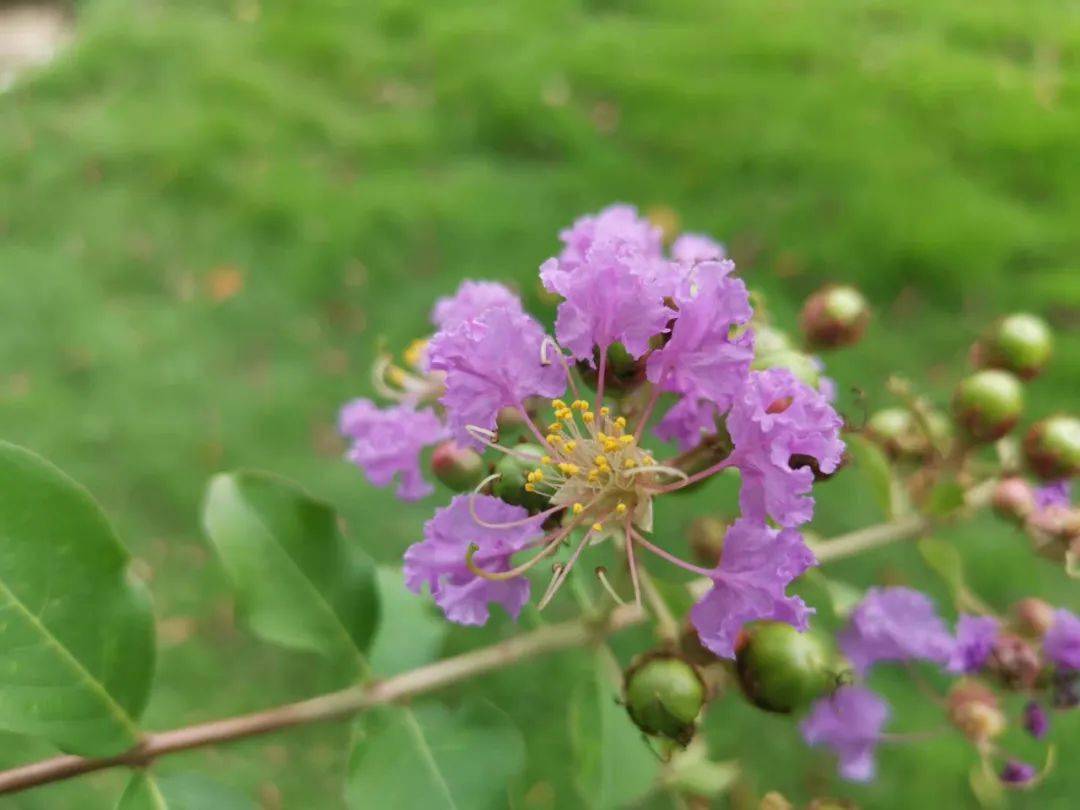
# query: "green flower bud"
{"type": "Point", "coordinates": [1020, 343]}
{"type": "Point", "coordinates": [1052, 447]}
{"type": "Point", "coordinates": [459, 468]}
{"type": "Point", "coordinates": [988, 404]}
{"type": "Point", "coordinates": [781, 669]}
{"type": "Point", "coordinates": [834, 317]}
{"type": "Point", "coordinates": [621, 372]}
{"type": "Point", "coordinates": [768, 340]}
{"type": "Point", "coordinates": [664, 695]}
{"type": "Point", "coordinates": [801, 365]}
{"type": "Point", "coordinates": [513, 477]}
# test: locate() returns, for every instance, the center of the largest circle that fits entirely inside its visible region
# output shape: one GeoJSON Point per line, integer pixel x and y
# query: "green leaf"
{"type": "Point", "coordinates": [180, 792]}
{"type": "Point", "coordinates": [76, 634]}
{"type": "Point", "coordinates": [299, 582]}
{"type": "Point", "coordinates": [945, 498]}
{"type": "Point", "coordinates": [615, 766]}
{"type": "Point", "coordinates": [426, 757]}
{"type": "Point", "coordinates": [945, 561]}
{"type": "Point", "coordinates": [873, 462]}
{"type": "Point", "coordinates": [411, 630]}
{"type": "Point", "coordinates": [842, 596]}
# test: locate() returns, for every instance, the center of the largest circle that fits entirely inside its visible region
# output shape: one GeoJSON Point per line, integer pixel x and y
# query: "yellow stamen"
{"type": "Point", "coordinates": [545, 459]}
{"type": "Point", "coordinates": [551, 438]}
{"type": "Point", "coordinates": [554, 427]}
{"type": "Point", "coordinates": [530, 488]}
{"type": "Point", "coordinates": [597, 526]}
{"type": "Point", "coordinates": [570, 446]}
{"type": "Point", "coordinates": [578, 508]}
{"type": "Point", "coordinates": [415, 352]}
{"type": "Point", "coordinates": [558, 404]}
{"type": "Point", "coordinates": [626, 439]}
{"type": "Point", "coordinates": [580, 404]}
{"type": "Point", "coordinates": [569, 469]}
{"type": "Point", "coordinates": [621, 421]}
{"type": "Point", "coordinates": [620, 508]}
{"type": "Point", "coordinates": [587, 416]}
{"type": "Point", "coordinates": [629, 464]}
{"type": "Point", "coordinates": [538, 474]}
{"type": "Point", "coordinates": [605, 411]}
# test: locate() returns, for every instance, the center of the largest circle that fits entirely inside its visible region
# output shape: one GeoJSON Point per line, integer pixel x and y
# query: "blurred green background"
{"type": "Point", "coordinates": [211, 213]}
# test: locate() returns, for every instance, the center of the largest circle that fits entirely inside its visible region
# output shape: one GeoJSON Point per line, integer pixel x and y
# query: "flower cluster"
{"type": "Point", "coordinates": [584, 474]}
{"type": "Point", "coordinates": [1036, 653]}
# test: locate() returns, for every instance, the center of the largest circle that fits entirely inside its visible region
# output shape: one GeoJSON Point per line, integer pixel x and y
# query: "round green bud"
{"type": "Point", "coordinates": [834, 317]}
{"type": "Point", "coordinates": [780, 669]}
{"type": "Point", "coordinates": [513, 478]}
{"type": "Point", "coordinates": [664, 695]}
{"type": "Point", "coordinates": [459, 468]}
{"type": "Point", "coordinates": [988, 404]}
{"type": "Point", "coordinates": [801, 365]}
{"type": "Point", "coordinates": [1021, 343]}
{"type": "Point", "coordinates": [1052, 447]}
{"type": "Point", "coordinates": [621, 371]}
{"type": "Point", "coordinates": [894, 431]}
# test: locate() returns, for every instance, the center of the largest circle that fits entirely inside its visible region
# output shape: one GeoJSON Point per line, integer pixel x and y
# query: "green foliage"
{"type": "Point", "coordinates": [76, 632]}
{"type": "Point", "coordinates": [427, 756]}
{"type": "Point", "coordinates": [411, 629]}
{"type": "Point", "coordinates": [612, 764]}
{"type": "Point", "coordinates": [181, 792]}
{"type": "Point", "coordinates": [300, 582]}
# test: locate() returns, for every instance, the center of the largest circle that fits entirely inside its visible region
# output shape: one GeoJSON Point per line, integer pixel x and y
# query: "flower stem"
{"type": "Point", "coordinates": [334, 706]}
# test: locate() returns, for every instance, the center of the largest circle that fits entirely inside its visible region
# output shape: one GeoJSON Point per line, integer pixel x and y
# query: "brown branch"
{"type": "Point", "coordinates": [334, 706]}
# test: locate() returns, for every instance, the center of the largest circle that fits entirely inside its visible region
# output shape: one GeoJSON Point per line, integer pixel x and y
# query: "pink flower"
{"type": "Point", "coordinates": [388, 442]}
{"type": "Point", "coordinates": [850, 722]}
{"type": "Point", "coordinates": [692, 248]}
{"type": "Point", "coordinates": [439, 560]}
{"type": "Point", "coordinates": [687, 422]}
{"type": "Point", "coordinates": [775, 417]}
{"type": "Point", "coordinates": [1062, 642]}
{"type": "Point", "coordinates": [491, 362]}
{"type": "Point", "coordinates": [975, 637]}
{"type": "Point", "coordinates": [471, 300]}
{"type": "Point", "coordinates": [617, 222]}
{"type": "Point", "coordinates": [895, 624]}
{"type": "Point", "coordinates": [756, 566]}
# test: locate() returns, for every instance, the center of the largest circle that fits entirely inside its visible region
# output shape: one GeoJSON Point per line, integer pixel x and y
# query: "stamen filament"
{"type": "Point", "coordinates": [547, 341]}
{"type": "Point", "coordinates": [693, 479]}
{"type": "Point", "coordinates": [631, 562]}
{"type": "Point", "coordinates": [517, 570]}
{"type": "Point", "coordinates": [601, 574]}
{"type": "Point", "coordinates": [671, 558]}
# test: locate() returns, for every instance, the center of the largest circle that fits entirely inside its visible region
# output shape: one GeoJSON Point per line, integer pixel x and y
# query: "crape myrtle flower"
{"type": "Point", "coordinates": [1056, 494]}
{"type": "Point", "coordinates": [895, 624]}
{"type": "Point", "coordinates": [472, 531]}
{"type": "Point", "coordinates": [388, 442]}
{"type": "Point", "coordinates": [1062, 641]}
{"type": "Point", "coordinates": [850, 722]}
{"type": "Point", "coordinates": [491, 362]}
{"type": "Point", "coordinates": [756, 565]}
{"type": "Point", "coordinates": [473, 299]}
{"type": "Point", "coordinates": [588, 479]}
{"type": "Point", "coordinates": [975, 637]}
{"type": "Point", "coordinates": [774, 417]}
{"type": "Point", "coordinates": [695, 247]}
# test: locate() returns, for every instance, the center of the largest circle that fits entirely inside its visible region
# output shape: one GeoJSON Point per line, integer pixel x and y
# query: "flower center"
{"type": "Point", "coordinates": [593, 463]}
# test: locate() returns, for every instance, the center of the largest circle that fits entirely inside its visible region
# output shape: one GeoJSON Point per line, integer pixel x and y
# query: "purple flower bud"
{"type": "Point", "coordinates": [1036, 720]}
{"type": "Point", "coordinates": [975, 637]}
{"type": "Point", "coordinates": [1016, 772]}
{"type": "Point", "coordinates": [1062, 642]}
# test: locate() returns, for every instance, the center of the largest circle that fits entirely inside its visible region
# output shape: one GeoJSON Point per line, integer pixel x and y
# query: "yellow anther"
{"type": "Point", "coordinates": [629, 464]}
{"type": "Point", "coordinates": [648, 459]}
{"type": "Point", "coordinates": [538, 474]}
{"type": "Point", "coordinates": [558, 404]}
{"type": "Point", "coordinates": [593, 476]}
{"type": "Point", "coordinates": [611, 446]}
{"type": "Point", "coordinates": [396, 375]}
{"type": "Point", "coordinates": [545, 459]}
{"type": "Point", "coordinates": [626, 439]}
{"type": "Point", "coordinates": [597, 526]}
{"type": "Point", "coordinates": [414, 354]}
{"type": "Point", "coordinates": [621, 422]}
{"type": "Point", "coordinates": [605, 411]}
{"type": "Point", "coordinates": [570, 446]}
{"type": "Point", "coordinates": [578, 508]}
{"type": "Point", "coordinates": [599, 461]}
{"type": "Point", "coordinates": [565, 414]}
{"type": "Point", "coordinates": [580, 405]}
{"type": "Point", "coordinates": [587, 416]}
{"type": "Point", "coordinates": [569, 469]}
{"type": "Point", "coordinates": [620, 508]}
{"type": "Point", "coordinates": [530, 488]}
{"type": "Point", "coordinates": [530, 477]}
{"type": "Point", "coordinates": [551, 438]}
{"type": "Point", "coordinates": [554, 427]}
{"type": "Point", "coordinates": [601, 436]}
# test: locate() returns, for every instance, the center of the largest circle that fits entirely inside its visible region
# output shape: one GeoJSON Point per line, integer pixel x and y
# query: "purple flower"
{"type": "Point", "coordinates": [687, 422]}
{"type": "Point", "coordinates": [756, 566]}
{"type": "Point", "coordinates": [702, 359]}
{"type": "Point", "coordinates": [491, 362]}
{"type": "Point", "coordinates": [692, 248]}
{"type": "Point", "coordinates": [774, 417]}
{"type": "Point", "coordinates": [471, 300]}
{"type": "Point", "coordinates": [439, 561]}
{"type": "Point", "coordinates": [849, 721]}
{"type": "Point", "coordinates": [975, 637]}
{"type": "Point", "coordinates": [617, 222]}
{"type": "Point", "coordinates": [388, 442]}
{"type": "Point", "coordinates": [612, 296]}
{"type": "Point", "coordinates": [895, 624]}
{"type": "Point", "coordinates": [1054, 494]}
{"type": "Point", "coordinates": [1036, 721]}
{"type": "Point", "coordinates": [1062, 641]}
{"type": "Point", "coordinates": [1016, 772]}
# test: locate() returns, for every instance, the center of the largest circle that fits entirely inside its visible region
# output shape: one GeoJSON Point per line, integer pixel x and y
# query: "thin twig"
{"type": "Point", "coordinates": [334, 706]}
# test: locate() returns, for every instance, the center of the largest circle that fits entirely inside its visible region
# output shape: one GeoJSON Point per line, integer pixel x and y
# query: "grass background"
{"type": "Point", "coordinates": [212, 212]}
